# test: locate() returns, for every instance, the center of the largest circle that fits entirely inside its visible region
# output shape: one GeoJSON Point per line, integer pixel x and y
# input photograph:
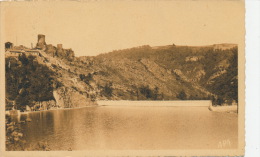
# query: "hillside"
{"type": "Point", "coordinates": [43, 82]}
{"type": "Point", "coordinates": [165, 72]}
{"type": "Point", "coordinates": [51, 77]}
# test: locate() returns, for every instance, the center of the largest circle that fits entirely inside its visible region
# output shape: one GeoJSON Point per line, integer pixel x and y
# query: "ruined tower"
{"type": "Point", "coordinates": [59, 46]}
{"type": "Point", "coordinates": [60, 51]}
{"type": "Point", "coordinates": [41, 44]}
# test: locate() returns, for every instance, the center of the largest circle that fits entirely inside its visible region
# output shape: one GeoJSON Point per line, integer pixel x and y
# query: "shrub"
{"type": "Point", "coordinates": [182, 95]}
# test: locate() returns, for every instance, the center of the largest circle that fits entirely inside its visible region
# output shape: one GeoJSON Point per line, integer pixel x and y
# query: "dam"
{"type": "Point", "coordinates": [170, 103]}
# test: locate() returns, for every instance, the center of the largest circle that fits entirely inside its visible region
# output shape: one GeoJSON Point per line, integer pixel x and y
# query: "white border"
{"type": "Point", "coordinates": [252, 78]}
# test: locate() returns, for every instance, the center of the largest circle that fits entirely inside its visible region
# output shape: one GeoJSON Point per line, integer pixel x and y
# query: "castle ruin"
{"type": "Point", "coordinates": [41, 44]}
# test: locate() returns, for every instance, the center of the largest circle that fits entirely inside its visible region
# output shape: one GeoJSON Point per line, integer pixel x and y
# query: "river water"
{"type": "Point", "coordinates": [126, 128]}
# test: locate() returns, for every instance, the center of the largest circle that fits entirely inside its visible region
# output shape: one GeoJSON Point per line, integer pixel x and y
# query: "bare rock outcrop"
{"type": "Point", "coordinates": [70, 98]}
{"type": "Point", "coordinates": [45, 105]}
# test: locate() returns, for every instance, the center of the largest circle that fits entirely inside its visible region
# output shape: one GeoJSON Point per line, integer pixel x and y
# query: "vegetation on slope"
{"type": "Point", "coordinates": [28, 81]}
{"type": "Point", "coordinates": [178, 72]}
{"type": "Point", "coordinates": [141, 73]}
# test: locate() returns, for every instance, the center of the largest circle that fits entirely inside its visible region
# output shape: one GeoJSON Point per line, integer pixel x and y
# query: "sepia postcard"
{"type": "Point", "coordinates": [122, 78]}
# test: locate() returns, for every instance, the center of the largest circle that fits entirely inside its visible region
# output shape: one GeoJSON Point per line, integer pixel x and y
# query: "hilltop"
{"type": "Point", "coordinates": [40, 80]}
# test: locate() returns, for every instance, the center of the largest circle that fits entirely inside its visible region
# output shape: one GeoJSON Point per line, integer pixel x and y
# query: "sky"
{"type": "Point", "coordinates": [95, 27]}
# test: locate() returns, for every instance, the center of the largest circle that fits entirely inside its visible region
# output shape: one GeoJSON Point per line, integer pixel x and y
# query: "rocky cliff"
{"type": "Point", "coordinates": [43, 82]}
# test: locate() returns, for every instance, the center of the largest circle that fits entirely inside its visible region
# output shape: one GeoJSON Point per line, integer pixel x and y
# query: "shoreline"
{"type": "Point", "coordinates": [145, 103]}
{"type": "Point", "coordinates": [24, 113]}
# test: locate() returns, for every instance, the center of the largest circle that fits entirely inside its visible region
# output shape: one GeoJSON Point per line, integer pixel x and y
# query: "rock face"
{"type": "Point", "coordinates": [69, 91]}
{"type": "Point", "coordinates": [45, 105]}
{"type": "Point", "coordinates": [70, 98]}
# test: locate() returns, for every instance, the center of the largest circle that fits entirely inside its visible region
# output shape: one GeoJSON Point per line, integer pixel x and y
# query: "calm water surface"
{"type": "Point", "coordinates": [131, 128]}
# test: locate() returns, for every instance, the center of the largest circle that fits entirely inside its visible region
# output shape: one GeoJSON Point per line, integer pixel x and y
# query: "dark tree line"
{"type": "Point", "coordinates": [226, 85]}
{"type": "Point", "coordinates": [106, 90]}
{"type": "Point", "coordinates": [210, 61]}
{"type": "Point", "coordinates": [85, 78]}
{"type": "Point", "coordinates": [182, 95]}
{"type": "Point", "coordinates": [145, 92]}
{"type": "Point", "coordinates": [28, 81]}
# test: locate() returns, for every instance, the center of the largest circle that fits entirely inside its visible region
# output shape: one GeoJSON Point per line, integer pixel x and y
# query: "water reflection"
{"type": "Point", "coordinates": [131, 128]}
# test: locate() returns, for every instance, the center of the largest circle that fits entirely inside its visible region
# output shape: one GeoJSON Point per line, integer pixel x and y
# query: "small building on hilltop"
{"type": "Point", "coordinates": [8, 45]}
{"type": "Point", "coordinates": [17, 53]}
{"type": "Point", "coordinates": [13, 53]}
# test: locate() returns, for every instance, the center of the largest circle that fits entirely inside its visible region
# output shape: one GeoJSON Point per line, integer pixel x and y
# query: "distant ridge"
{"type": "Point", "coordinates": [222, 46]}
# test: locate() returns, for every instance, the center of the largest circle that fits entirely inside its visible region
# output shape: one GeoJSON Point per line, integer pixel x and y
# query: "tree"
{"type": "Point", "coordinates": [226, 85]}
{"type": "Point", "coordinates": [23, 59]}
{"type": "Point", "coordinates": [108, 90]}
{"type": "Point", "coordinates": [182, 95]}
{"type": "Point", "coordinates": [219, 101]}
{"type": "Point", "coordinates": [162, 96]}
{"type": "Point", "coordinates": [155, 93]}
{"type": "Point", "coordinates": [85, 78]}
{"type": "Point", "coordinates": [146, 91]}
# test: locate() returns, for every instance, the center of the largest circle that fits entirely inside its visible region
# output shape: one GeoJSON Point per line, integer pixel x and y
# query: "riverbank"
{"type": "Point", "coordinates": [183, 103]}
{"type": "Point", "coordinates": [27, 112]}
